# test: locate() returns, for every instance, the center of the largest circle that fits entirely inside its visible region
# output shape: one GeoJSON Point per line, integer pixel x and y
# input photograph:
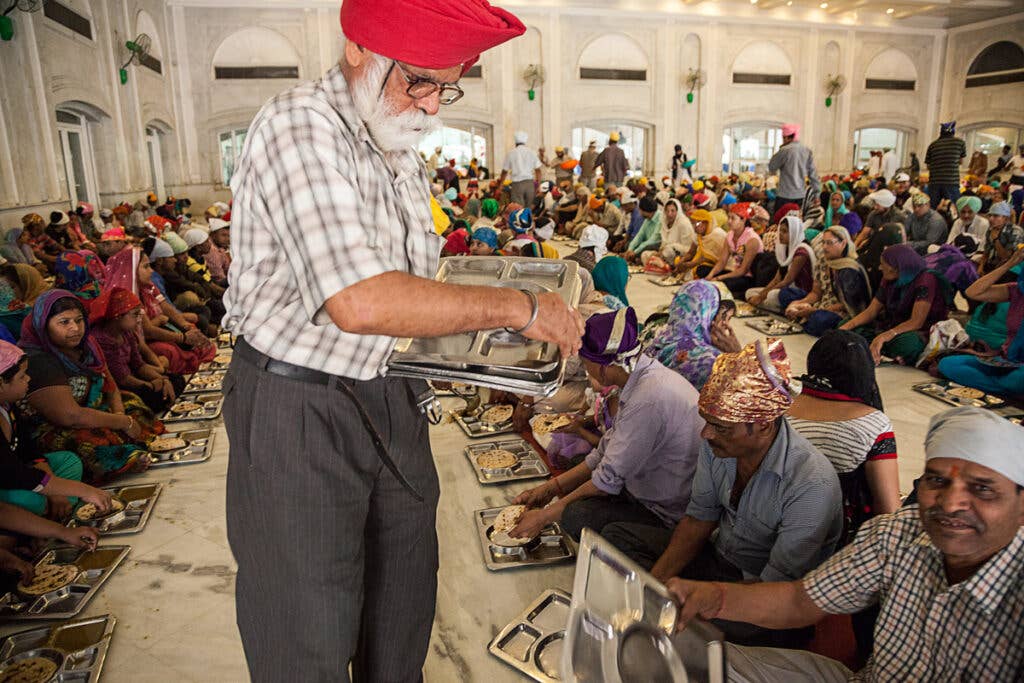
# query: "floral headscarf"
{"type": "Point", "coordinates": [684, 345]}
{"type": "Point", "coordinates": [123, 271]}
{"type": "Point", "coordinates": [34, 337]}
{"type": "Point", "coordinates": [81, 272]}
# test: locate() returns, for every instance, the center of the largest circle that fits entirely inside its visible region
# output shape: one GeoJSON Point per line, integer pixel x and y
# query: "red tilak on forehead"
{"type": "Point", "coordinates": [954, 471]}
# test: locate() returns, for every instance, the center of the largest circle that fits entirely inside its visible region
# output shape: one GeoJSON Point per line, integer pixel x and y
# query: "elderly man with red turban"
{"type": "Point", "coordinates": [332, 490]}
{"type": "Point", "coordinates": [773, 499]}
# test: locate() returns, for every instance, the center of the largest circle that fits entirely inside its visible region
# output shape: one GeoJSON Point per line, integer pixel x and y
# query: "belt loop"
{"type": "Point", "coordinates": [262, 361]}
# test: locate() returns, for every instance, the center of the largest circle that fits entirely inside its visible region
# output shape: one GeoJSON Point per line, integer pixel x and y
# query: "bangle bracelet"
{"type": "Point", "coordinates": [535, 303]}
{"type": "Point", "coordinates": [558, 487]}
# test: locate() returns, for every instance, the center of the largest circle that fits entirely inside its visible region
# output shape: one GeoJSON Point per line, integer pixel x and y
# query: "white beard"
{"type": "Point", "coordinates": [391, 131]}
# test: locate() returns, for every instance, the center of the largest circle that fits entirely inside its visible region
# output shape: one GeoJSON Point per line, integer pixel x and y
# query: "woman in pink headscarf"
{"type": "Point", "coordinates": [163, 327]}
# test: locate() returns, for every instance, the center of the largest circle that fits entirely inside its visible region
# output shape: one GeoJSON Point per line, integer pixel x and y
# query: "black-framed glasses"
{"type": "Point", "coordinates": [420, 87]}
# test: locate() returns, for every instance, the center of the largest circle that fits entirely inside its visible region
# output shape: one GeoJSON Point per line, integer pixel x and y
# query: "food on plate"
{"type": "Point", "coordinates": [49, 577]}
{"type": "Point", "coordinates": [965, 392]}
{"type": "Point", "coordinates": [503, 539]}
{"type": "Point", "coordinates": [497, 458]}
{"type": "Point", "coordinates": [30, 670]}
{"type": "Point", "coordinates": [89, 511]}
{"type": "Point", "coordinates": [185, 407]}
{"type": "Point", "coordinates": [166, 443]}
{"type": "Point", "coordinates": [497, 415]}
{"type": "Point", "coordinates": [545, 424]}
{"type": "Point", "coordinates": [222, 359]}
{"type": "Point", "coordinates": [508, 517]}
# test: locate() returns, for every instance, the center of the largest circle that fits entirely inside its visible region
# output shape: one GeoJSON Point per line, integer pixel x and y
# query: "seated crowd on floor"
{"type": "Point", "coordinates": [102, 318]}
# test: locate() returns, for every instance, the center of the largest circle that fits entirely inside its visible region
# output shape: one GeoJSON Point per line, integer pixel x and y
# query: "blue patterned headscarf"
{"type": "Point", "coordinates": [684, 345]}
{"type": "Point", "coordinates": [35, 337]}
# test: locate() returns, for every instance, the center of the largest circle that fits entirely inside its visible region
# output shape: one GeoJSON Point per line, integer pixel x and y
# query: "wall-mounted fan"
{"type": "Point", "coordinates": [694, 80]}
{"type": "Point", "coordinates": [6, 24]}
{"type": "Point", "coordinates": [834, 84]}
{"type": "Point", "coordinates": [137, 51]}
{"type": "Point", "coordinates": [533, 74]}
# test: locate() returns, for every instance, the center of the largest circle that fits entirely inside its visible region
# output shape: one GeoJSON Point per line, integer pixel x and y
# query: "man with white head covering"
{"type": "Point", "coordinates": [883, 210]}
{"type": "Point", "coordinates": [642, 467]}
{"type": "Point", "coordinates": [794, 163]}
{"type": "Point", "coordinates": [218, 259]}
{"type": "Point", "coordinates": [522, 166]}
{"type": "Point", "coordinates": [593, 246]}
{"type": "Point", "coordinates": [945, 571]}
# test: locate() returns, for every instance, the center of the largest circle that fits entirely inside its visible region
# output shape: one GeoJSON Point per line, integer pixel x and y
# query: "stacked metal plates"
{"type": "Point", "coordinates": [532, 643]}
{"type": "Point", "coordinates": [74, 651]}
{"type": "Point", "coordinates": [493, 358]}
{"type": "Point", "coordinates": [621, 626]}
{"type": "Point", "coordinates": [91, 569]}
{"type": "Point", "coordinates": [553, 545]}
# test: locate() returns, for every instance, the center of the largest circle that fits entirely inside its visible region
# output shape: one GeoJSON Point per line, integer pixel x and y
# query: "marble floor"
{"type": "Point", "coordinates": [174, 595]}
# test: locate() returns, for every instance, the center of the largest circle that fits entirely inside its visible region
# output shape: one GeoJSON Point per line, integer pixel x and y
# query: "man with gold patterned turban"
{"type": "Point", "coordinates": [773, 498]}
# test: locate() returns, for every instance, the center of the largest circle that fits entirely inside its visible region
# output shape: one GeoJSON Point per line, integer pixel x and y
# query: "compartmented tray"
{"type": "Point", "coordinates": [621, 626]}
{"type": "Point", "coordinates": [198, 448]}
{"type": "Point", "coordinates": [78, 648]}
{"type": "Point", "coordinates": [666, 280]}
{"type": "Point", "coordinates": [946, 391]}
{"type": "Point", "coordinates": [495, 358]}
{"type": "Point", "coordinates": [225, 342]}
{"type": "Point", "coordinates": [745, 310]}
{"type": "Point", "coordinates": [220, 362]}
{"type": "Point", "coordinates": [774, 326]}
{"type": "Point", "coordinates": [532, 642]}
{"type": "Point", "coordinates": [209, 408]}
{"type": "Point", "coordinates": [552, 545]}
{"type": "Point", "coordinates": [95, 567]}
{"type": "Point", "coordinates": [475, 428]}
{"type": "Point", "coordinates": [205, 381]}
{"type": "Point", "coordinates": [138, 499]}
{"type": "Point", "coordinates": [529, 464]}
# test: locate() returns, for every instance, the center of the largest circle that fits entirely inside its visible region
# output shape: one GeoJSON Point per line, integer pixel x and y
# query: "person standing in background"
{"type": "Point", "coordinates": [943, 159]}
{"type": "Point", "coordinates": [794, 163]}
{"type": "Point", "coordinates": [588, 164]}
{"type": "Point", "coordinates": [613, 162]}
{"type": "Point", "coordinates": [523, 166]}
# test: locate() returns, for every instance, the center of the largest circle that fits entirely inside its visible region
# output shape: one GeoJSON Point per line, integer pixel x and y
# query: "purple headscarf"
{"type": "Point", "coordinates": [852, 222]}
{"type": "Point", "coordinates": [612, 338]}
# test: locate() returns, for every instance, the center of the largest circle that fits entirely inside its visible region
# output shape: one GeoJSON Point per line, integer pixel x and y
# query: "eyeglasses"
{"type": "Point", "coordinates": [831, 243]}
{"type": "Point", "coordinates": [420, 87]}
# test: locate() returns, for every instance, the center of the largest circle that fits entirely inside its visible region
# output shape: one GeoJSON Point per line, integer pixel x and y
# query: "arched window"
{"type": "Point", "coordinates": [613, 57]}
{"type": "Point", "coordinates": [750, 146]}
{"type": "Point", "coordinates": [762, 63]}
{"type": "Point", "coordinates": [634, 140]}
{"type": "Point", "coordinates": [76, 152]}
{"type": "Point", "coordinates": [868, 140]}
{"type": "Point", "coordinates": [255, 52]}
{"type": "Point", "coordinates": [460, 141]}
{"type": "Point", "coordinates": [999, 63]}
{"type": "Point", "coordinates": [891, 69]}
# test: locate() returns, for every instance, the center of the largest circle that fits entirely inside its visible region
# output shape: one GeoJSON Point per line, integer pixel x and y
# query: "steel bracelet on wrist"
{"type": "Point", "coordinates": [533, 314]}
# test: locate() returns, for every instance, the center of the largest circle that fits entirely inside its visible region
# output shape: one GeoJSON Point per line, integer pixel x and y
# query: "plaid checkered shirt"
{"type": "Point", "coordinates": [317, 208]}
{"type": "Point", "coordinates": [927, 630]}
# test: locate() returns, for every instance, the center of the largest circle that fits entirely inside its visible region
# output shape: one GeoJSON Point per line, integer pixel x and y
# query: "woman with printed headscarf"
{"type": "Point", "coordinates": [642, 467]}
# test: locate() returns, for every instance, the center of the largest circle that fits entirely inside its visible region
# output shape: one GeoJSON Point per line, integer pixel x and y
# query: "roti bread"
{"type": "Point", "coordinates": [88, 511]}
{"type": "Point", "coordinates": [509, 517]}
{"type": "Point", "coordinates": [166, 443]}
{"type": "Point", "coordinates": [545, 424]}
{"type": "Point", "coordinates": [31, 670]}
{"type": "Point", "coordinates": [497, 415]}
{"type": "Point", "coordinates": [49, 577]}
{"type": "Point", "coordinates": [222, 359]}
{"type": "Point", "coordinates": [497, 458]}
{"type": "Point", "coordinates": [503, 539]}
{"type": "Point", "coordinates": [965, 392]}
{"type": "Point", "coordinates": [185, 407]}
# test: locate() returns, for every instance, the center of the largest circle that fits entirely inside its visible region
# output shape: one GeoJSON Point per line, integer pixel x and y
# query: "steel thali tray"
{"type": "Point", "coordinates": [209, 408]}
{"type": "Point", "coordinates": [940, 389]}
{"type": "Point", "coordinates": [492, 355]}
{"type": "Point", "coordinates": [205, 381]}
{"type": "Point", "coordinates": [621, 626]}
{"type": "Point", "coordinates": [532, 642]}
{"type": "Point", "coordinates": [95, 567]}
{"type": "Point", "coordinates": [138, 499]}
{"type": "Point", "coordinates": [529, 466]}
{"type": "Point", "coordinates": [198, 448]}
{"type": "Point", "coordinates": [776, 327]}
{"type": "Point", "coordinates": [552, 546]}
{"type": "Point", "coordinates": [79, 646]}
{"type": "Point", "coordinates": [475, 428]}
{"type": "Point", "coordinates": [220, 362]}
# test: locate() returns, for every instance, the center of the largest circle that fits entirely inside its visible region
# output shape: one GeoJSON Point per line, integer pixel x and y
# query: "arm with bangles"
{"type": "Point", "coordinates": [57, 405]}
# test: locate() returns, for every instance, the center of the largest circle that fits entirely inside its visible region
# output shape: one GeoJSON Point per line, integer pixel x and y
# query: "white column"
{"type": "Point", "coordinates": [934, 93]}
{"type": "Point", "coordinates": [812, 88]}
{"type": "Point", "coordinates": [709, 139]}
{"type": "Point", "coordinates": [8, 180]}
{"type": "Point", "coordinates": [666, 98]}
{"type": "Point", "coordinates": [842, 151]}
{"type": "Point", "coordinates": [47, 130]}
{"type": "Point", "coordinates": [109, 57]}
{"type": "Point", "coordinates": [187, 122]}
{"type": "Point", "coordinates": [555, 129]}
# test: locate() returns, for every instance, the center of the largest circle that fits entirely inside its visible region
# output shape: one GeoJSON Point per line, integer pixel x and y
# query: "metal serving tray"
{"type": "Point", "coordinates": [138, 500]}
{"type": "Point", "coordinates": [198, 448]}
{"type": "Point", "coordinates": [220, 362]}
{"type": "Point", "coordinates": [475, 429]}
{"type": "Point", "coordinates": [532, 643]}
{"type": "Point", "coordinates": [197, 387]}
{"type": "Point", "coordinates": [939, 389]}
{"type": "Point", "coordinates": [463, 391]}
{"type": "Point", "coordinates": [745, 310]}
{"type": "Point", "coordinates": [543, 388]}
{"type": "Point", "coordinates": [493, 354]}
{"type": "Point", "coordinates": [551, 547]}
{"type": "Point", "coordinates": [775, 326]}
{"type": "Point", "coordinates": [530, 465]}
{"type": "Point", "coordinates": [666, 280]}
{"type": "Point", "coordinates": [95, 567]}
{"type": "Point", "coordinates": [81, 645]}
{"type": "Point", "coordinates": [210, 410]}
{"type": "Point", "coordinates": [621, 623]}
{"type": "Point", "coordinates": [225, 342]}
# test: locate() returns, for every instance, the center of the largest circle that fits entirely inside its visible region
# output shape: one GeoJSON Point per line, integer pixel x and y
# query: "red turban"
{"type": "Point", "coordinates": [784, 211]}
{"type": "Point", "coordinates": [430, 34]}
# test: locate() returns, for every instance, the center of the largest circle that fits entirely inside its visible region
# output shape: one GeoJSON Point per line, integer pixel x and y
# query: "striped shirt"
{"type": "Point", "coordinates": [943, 159]}
{"type": "Point", "coordinates": [318, 207]}
{"type": "Point", "coordinates": [927, 630]}
{"type": "Point", "coordinates": [848, 443]}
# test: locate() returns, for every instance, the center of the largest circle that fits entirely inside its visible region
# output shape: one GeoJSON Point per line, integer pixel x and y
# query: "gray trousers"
{"type": "Point", "coordinates": [522, 192]}
{"type": "Point", "coordinates": [337, 561]}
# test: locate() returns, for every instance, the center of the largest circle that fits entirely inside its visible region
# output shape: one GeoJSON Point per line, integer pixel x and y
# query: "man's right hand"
{"type": "Point", "coordinates": [695, 598]}
{"type": "Point", "coordinates": [538, 496]}
{"type": "Point", "coordinates": [558, 323]}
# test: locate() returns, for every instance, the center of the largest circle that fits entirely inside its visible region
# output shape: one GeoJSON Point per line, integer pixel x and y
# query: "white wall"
{"type": "Point", "coordinates": [46, 65]}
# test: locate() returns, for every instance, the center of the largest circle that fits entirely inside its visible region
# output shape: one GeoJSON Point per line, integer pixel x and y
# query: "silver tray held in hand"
{"type": "Point", "coordinates": [495, 358]}
{"type": "Point", "coordinates": [78, 648]}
